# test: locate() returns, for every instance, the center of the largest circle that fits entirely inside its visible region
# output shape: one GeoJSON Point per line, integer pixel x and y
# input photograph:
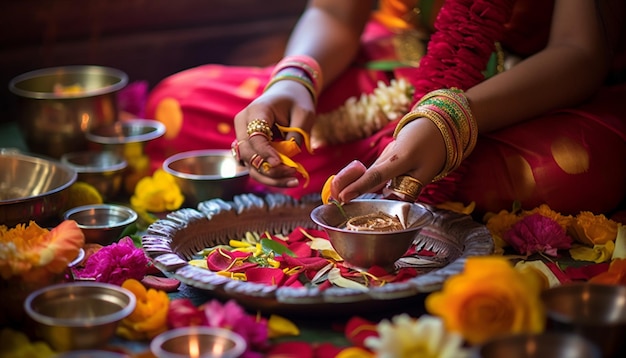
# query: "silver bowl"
{"type": "Point", "coordinates": [78, 315]}
{"type": "Point", "coordinates": [364, 249]}
{"type": "Point", "coordinates": [102, 223]}
{"type": "Point", "coordinates": [32, 188]}
{"type": "Point", "coordinates": [198, 341]}
{"type": "Point", "coordinates": [115, 135]}
{"type": "Point", "coordinates": [207, 174]}
{"type": "Point", "coordinates": [103, 170]}
{"type": "Point", "coordinates": [594, 311]}
{"type": "Point", "coordinates": [53, 121]}
{"type": "Point", "coordinates": [548, 344]}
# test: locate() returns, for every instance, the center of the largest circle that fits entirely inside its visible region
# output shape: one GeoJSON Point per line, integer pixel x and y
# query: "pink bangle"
{"type": "Point", "coordinates": [307, 64]}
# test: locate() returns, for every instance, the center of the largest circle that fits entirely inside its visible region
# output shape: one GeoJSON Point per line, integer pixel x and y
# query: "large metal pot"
{"type": "Point", "coordinates": [32, 188]}
{"type": "Point", "coordinates": [58, 105]}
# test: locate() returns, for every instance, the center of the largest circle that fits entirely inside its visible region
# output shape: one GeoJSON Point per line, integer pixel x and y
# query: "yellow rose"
{"type": "Point", "coordinates": [590, 229]}
{"type": "Point", "coordinates": [489, 298]}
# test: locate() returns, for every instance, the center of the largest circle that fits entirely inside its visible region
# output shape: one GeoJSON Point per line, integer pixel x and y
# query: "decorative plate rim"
{"type": "Point", "coordinates": [217, 219]}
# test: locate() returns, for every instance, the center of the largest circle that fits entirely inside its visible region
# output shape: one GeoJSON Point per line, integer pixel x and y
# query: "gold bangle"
{"type": "Point", "coordinates": [404, 187]}
{"type": "Point", "coordinates": [303, 80]}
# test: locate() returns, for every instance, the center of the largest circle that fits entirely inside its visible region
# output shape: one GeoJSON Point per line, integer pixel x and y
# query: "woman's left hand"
{"type": "Point", "coordinates": [418, 151]}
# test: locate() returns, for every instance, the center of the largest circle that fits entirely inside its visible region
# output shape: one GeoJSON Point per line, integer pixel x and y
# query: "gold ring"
{"type": "Point", "coordinates": [259, 126]}
{"type": "Point", "coordinates": [404, 187]}
{"type": "Point", "coordinates": [256, 161]}
{"type": "Point", "coordinates": [234, 149]}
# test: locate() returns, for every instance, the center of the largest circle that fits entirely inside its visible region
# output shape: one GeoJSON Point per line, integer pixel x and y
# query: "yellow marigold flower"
{"type": "Point", "coordinates": [489, 298]}
{"type": "Point", "coordinates": [498, 224]}
{"type": "Point", "coordinates": [590, 229]}
{"type": "Point", "coordinates": [32, 252]}
{"type": "Point", "coordinates": [149, 318]}
{"type": "Point", "coordinates": [158, 193]}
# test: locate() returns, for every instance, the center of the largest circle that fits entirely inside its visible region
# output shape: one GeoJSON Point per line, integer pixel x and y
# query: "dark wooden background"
{"type": "Point", "coordinates": [147, 39]}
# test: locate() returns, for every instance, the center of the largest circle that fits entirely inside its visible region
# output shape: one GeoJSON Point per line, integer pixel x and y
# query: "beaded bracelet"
{"type": "Point", "coordinates": [307, 64]}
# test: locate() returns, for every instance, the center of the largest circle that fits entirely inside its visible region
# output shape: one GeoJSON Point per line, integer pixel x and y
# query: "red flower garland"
{"type": "Point", "coordinates": [465, 35]}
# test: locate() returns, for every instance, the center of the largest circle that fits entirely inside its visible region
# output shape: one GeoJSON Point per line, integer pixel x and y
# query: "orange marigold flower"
{"type": "Point", "coordinates": [30, 251]}
{"type": "Point", "coordinates": [590, 229]}
{"type": "Point", "coordinates": [489, 298]}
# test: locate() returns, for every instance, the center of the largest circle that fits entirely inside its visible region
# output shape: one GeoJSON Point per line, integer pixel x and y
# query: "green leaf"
{"type": "Point", "coordinates": [269, 246]}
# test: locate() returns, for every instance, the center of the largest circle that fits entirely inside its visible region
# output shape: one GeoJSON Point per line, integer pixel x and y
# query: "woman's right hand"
{"type": "Point", "coordinates": [288, 104]}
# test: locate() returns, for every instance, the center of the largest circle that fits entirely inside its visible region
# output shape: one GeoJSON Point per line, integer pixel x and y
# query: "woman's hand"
{"type": "Point", "coordinates": [418, 151]}
{"type": "Point", "coordinates": [286, 103]}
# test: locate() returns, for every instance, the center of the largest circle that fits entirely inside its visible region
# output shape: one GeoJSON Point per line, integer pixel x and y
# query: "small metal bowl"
{"type": "Point", "coordinates": [364, 249]}
{"type": "Point", "coordinates": [207, 174]}
{"type": "Point", "coordinates": [103, 170]}
{"type": "Point", "coordinates": [596, 312]}
{"type": "Point", "coordinates": [115, 135]}
{"type": "Point", "coordinates": [548, 344]}
{"type": "Point", "coordinates": [102, 223]}
{"type": "Point", "coordinates": [32, 188]}
{"type": "Point", "coordinates": [59, 104]}
{"type": "Point", "coordinates": [198, 341]}
{"type": "Point", "coordinates": [78, 315]}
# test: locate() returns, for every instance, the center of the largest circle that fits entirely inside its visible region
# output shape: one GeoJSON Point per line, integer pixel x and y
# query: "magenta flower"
{"type": "Point", "coordinates": [232, 316]}
{"type": "Point", "coordinates": [537, 234]}
{"type": "Point", "coordinates": [115, 263]}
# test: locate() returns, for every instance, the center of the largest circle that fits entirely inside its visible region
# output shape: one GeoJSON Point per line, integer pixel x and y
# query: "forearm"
{"type": "Point", "coordinates": [570, 69]}
{"type": "Point", "coordinates": [539, 84]}
{"type": "Point", "coordinates": [330, 34]}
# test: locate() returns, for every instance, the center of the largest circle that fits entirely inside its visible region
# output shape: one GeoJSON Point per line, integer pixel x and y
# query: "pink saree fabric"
{"type": "Point", "coordinates": [571, 159]}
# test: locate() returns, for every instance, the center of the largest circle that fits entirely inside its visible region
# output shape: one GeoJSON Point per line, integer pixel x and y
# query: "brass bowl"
{"type": "Point", "coordinates": [207, 174]}
{"type": "Point", "coordinates": [103, 170]}
{"type": "Point", "coordinates": [32, 188]}
{"type": "Point", "coordinates": [594, 311]}
{"type": "Point", "coordinates": [59, 104]}
{"type": "Point", "coordinates": [78, 315]}
{"type": "Point", "coordinates": [102, 223]}
{"type": "Point", "coordinates": [364, 249]}
{"type": "Point", "coordinates": [198, 341]}
{"type": "Point", "coordinates": [548, 344]}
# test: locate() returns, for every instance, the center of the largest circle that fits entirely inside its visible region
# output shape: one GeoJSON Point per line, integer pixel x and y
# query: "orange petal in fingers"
{"type": "Point", "coordinates": [287, 147]}
{"type": "Point", "coordinates": [305, 136]}
{"type": "Point", "coordinates": [299, 168]}
{"type": "Point", "coordinates": [326, 190]}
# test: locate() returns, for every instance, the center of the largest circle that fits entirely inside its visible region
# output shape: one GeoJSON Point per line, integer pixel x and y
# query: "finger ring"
{"type": "Point", "coordinates": [259, 126]}
{"type": "Point", "coordinates": [256, 161]}
{"type": "Point", "coordinates": [404, 187]}
{"type": "Point", "coordinates": [260, 133]}
{"type": "Point", "coordinates": [234, 149]}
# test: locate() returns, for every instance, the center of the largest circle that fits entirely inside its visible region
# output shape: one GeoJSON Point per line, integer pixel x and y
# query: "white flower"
{"type": "Point", "coordinates": [360, 118]}
{"type": "Point", "coordinates": [425, 337]}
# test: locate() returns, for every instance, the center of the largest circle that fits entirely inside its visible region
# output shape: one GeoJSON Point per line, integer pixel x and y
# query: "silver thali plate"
{"type": "Point", "coordinates": [174, 240]}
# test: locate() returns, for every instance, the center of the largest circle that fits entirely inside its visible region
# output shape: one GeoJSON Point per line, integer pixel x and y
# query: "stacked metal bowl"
{"type": "Point", "coordinates": [32, 188]}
